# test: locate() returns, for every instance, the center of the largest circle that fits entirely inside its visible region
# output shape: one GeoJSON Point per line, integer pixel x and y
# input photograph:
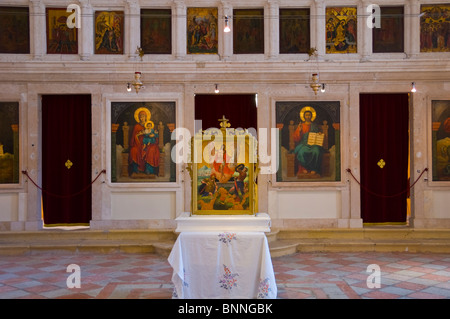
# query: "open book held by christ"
{"type": "Point", "coordinates": [315, 138]}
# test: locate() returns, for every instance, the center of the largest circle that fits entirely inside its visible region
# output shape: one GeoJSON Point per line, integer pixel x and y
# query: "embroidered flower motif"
{"type": "Point", "coordinates": [184, 283]}
{"type": "Point", "coordinates": [263, 289]}
{"type": "Point", "coordinates": [185, 278]}
{"type": "Point", "coordinates": [228, 280]}
{"type": "Point", "coordinates": [226, 238]}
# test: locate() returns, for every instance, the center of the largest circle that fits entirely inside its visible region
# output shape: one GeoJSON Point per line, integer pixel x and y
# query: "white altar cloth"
{"type": "Point", "coordinates": [259, 222]}
{"type": "Point", "coordinates": [222, 265]}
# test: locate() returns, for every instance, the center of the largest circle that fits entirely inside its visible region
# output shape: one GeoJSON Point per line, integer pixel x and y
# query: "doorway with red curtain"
{"type": "Point", "coordinates": [239, 109]}
{"type": "Point", "coordinates": [66, 160]}
{"type": "Point", "coordinates": [384, 149]}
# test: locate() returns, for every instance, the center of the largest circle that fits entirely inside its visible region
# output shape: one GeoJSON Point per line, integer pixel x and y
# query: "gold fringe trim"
{"type": "Point", "coordinates": [384, 223]}
{"type": "Point", "coordinates": [66, 225]}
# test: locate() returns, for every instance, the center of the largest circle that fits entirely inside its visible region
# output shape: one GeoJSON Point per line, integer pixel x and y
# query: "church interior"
{"type": "Point", "coordinates": [347, 101]}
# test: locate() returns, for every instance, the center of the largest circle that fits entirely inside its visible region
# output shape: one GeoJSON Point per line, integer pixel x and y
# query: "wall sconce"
{"type": "Point", "coordinates": [140, 52]}
{"type": "Point", "coordinates": [137, 83]}
{"type": "Point", "coordinates": [413, 87]}
{"type": "Point", "coordinates": [227, 26]}
{"type": "Point", "coordinates": [315, 85]}
{"type": "Point", "coordinates": [322, 89]}
{"type": "Point", "coordinates": [216, 90]}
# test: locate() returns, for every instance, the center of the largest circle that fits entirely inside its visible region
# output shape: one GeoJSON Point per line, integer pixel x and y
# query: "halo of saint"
{"type": "Point", "coordinates": [310, 109]}
{"type": "Point", "coordinates": [142, 109]}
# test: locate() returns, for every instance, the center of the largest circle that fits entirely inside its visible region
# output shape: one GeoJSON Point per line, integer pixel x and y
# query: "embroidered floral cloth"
{"type": "Point", "coordinates": [222, 265]}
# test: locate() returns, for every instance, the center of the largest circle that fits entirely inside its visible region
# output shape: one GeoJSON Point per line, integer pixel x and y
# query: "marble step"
{"type": "Point", "coordinates": [79, 241]}
{"type": "Point", "coordinates": [87, 235]}
{"type": "Point", "coordinates": [283, 247]}
{"type": "Point", "coordinates": [386, 239]}
{"type": "Point", "coordinates": [281, 242]}
{"type": "Point", "coordinates": [101, 247]}
{"type": "Point", "coordinates": [375, 233]}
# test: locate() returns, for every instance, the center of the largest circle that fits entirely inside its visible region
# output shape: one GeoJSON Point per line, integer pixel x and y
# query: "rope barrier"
{"type": "Point", "coordinates": [63, 196]}
{"type": "Point", "coordinates": [387, 196]}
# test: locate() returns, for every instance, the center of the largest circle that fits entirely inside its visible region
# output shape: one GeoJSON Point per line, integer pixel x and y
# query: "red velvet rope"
{"type": "Point", "coordinates": [387, 196]}
{"type": "Point", "coordinates": [63, 196]}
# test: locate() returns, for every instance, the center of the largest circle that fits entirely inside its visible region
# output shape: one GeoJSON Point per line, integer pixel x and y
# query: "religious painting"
{"type": "Point", "coordinates": [9, 142]}
{"type": "Point", "coordinates": [141, 142]}
{"type": "Point", "coordinates": [441, 140]}
{"type": "Point", "coordinates": [202, 33]}
{"type": "Point", "coordinates": [223, 173]}
{"type": "Point", "coordinates": [340, 27]}
{"type": "Point", "coordinates": [309, 141]}
{"type": "Point", "coordinates": [294, 31]}
{"type": "Point", "coordinates": [248, 31]}
{"type": "Point", "coordinates": [389, 37]}
{"type": "Point", "coordinates": [15, 30]}
{"type": "Point", "coordinates": [109, 32]}
{"type": "Point", "coordinates": [435, 28]}
{"type": "Point", "coordinates": [156, 31]}
{"type": "Point", "coordinates": [60, 38]}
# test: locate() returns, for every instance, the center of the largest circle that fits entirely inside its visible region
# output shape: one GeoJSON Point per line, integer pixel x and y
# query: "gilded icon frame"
{"type": "Point", "coordinates": [440, 116]}
{"type": "Point", "coordinates": [136, 155]}
{"type": "Point", "coordinates": [326, 119]}
{"type": "Point", "coordinates": [9, 142]}
{"type": "Point", "coordinates": [226, 187]}
{"type": "Point", "coordinates": [61, 39]}
{"type": "Point", "coordinates": [202, 31]}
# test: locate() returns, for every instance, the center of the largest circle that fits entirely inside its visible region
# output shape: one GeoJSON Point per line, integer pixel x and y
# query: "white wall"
{"type": "Point", "coordinates": [441, 205]}
{"type": "Point", "coordinates": [179, 76]}
{"type": "Point", "coordinates": [143, 205]}
{"type": "Point", "coordinates": [9, 207]}
{"type": "Point", "coordinates": [308, 204]}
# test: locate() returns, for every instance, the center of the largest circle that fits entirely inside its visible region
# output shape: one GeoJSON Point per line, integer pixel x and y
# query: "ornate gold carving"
{"type": "Point", "coordinates": [68, 164]}
{"type": "Point", "coordinates": [381, 163]}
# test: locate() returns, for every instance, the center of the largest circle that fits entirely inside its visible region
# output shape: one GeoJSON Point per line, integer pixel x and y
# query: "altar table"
{"type": "Point", "coordinates": [222, 265]}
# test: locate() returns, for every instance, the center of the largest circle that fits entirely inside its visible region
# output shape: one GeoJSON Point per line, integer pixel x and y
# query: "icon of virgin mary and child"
{"type": "Point", "coordinates": [144, 145]}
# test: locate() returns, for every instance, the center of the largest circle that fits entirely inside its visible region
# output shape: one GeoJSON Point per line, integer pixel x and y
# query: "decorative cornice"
{"type": "Point", "coordinates": [262, 72]}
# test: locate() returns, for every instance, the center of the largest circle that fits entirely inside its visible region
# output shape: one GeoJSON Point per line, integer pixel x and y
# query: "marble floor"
{"type": "Point", "coordinates": [298, 276]}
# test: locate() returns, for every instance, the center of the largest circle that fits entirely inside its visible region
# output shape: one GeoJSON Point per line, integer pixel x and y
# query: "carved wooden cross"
{"type": "Point", "coordinates": [224, 122]}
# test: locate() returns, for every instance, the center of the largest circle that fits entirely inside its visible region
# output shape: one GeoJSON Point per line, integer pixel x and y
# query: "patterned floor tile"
{"type": "Point", "coordinates": [298, 276]}
{"type": "Point", "coordinates": [425, 295]}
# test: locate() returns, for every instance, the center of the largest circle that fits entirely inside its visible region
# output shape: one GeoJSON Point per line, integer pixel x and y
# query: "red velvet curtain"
{"type": "Point", "coordinates": [384, 124]}
{"type": "Point", "coordinates": [239, 109]}
{"type": "Point", "coordinates": [66, 136]}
